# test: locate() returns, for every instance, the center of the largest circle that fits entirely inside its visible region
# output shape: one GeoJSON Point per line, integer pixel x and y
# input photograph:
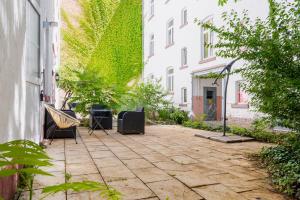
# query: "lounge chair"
{"type": "Point", "coordinates": [61, 121]}
{"type": "Point", "coordinates": [130, 122]}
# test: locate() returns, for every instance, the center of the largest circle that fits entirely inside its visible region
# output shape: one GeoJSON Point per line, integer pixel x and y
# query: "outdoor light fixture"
{"type": "Point", "coordinates": [56, 77]}
{"type": "Point", "coordinates": [228, 69]}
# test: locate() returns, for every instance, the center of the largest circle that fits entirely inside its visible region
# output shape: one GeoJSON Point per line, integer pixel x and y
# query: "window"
{"type": "Point", "coordinates": [170, 32]}
{"type": "Point", "coordinates": [151, 46]}
{"type": "Point", "coordinates": [183, 95]}
{"type": "Point", "coordinates": [170, 79]}
{"type": "Point", "coordinates": [241, 95]}
{"type": "Point", "coordinates": [207, 39]}
{"type": "Point", "coordinates": [184, 56]}
{"type": "Point", "coordinates": [151, 8]}
{"type": "Point", "coordinates": [184, 17]}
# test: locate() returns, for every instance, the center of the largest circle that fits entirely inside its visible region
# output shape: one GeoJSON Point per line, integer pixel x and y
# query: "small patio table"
{"type": "Point", "coordinates": [97, 124]}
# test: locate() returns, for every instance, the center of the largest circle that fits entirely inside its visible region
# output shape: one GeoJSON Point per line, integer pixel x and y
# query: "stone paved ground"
{"type": "Point", "coordinates": [168, 161]}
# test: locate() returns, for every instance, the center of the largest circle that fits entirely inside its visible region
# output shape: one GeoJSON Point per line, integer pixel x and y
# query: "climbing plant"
{"type": "Point", "coordinates": [104, 51]}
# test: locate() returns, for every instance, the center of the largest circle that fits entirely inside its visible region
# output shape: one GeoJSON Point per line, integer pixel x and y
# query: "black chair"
{"type": "Point", "coordinates": [130, 122]}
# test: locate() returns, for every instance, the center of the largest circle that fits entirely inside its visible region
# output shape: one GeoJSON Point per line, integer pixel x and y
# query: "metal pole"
{"type": "Point", "coordinates": [225, 102]}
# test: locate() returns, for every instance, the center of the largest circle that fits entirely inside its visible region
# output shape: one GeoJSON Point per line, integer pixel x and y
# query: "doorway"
{"type": "Point", "coordinates": [210, 103]}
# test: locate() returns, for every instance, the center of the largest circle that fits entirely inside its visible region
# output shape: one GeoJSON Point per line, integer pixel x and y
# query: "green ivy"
{"type": "Point", "coordinates": [104, 54]}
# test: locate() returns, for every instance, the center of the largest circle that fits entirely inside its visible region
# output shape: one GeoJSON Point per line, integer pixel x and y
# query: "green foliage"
{"type": "Point", "coordinates": [256, 133]}
{"type": "Point", "coordinates": [88, 186]}
{"type": "Point", "coordinates": [104, 54]}
{"type": "Point", "coordinates": [283, 164]}
{"type": "Point", "coordinates": [172, 115]}
{"type": "Point", "coordinates": [179, 116]}
{"type": "Point", "coordinates": [24, 158]}
{"type": "Point", "coordinates": [271, 48]}
{"type": "Point", "coordinates": [89, 89]}
{"type": "Point", "coordinates": [150, 95]}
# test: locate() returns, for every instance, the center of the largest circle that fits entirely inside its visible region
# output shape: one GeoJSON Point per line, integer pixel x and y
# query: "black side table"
{"type": "Point", "coordinates": [97, 124]}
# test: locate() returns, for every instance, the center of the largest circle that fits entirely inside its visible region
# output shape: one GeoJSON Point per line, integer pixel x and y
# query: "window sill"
{"type": "Point", "coordinates": [167, 1]}
{"type": "Point", "coordinates": [243, 106]}
{"type": "Point", "coordinates": [150, 56]}
{"type": "Point", "coordinates": [183, 25]}
{"type": "Point", "coordinates": [183, 105]}
{"type": "Point", "coordinates": [170, 93]}
{"type": "Point", "coordinates": [184, 67]}
{"type": "Point", "coordinates": [206, 60]}
{"type": "Point", "coordinates": [169, 45]}
{"type": "Point", "coordinates": [151, 17]}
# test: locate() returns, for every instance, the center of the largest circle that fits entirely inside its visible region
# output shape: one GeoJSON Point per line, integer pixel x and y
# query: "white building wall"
{"type": "Point", "coordinates": [189, 36]}
{"type": "Point", "coordinates": [20, 107]}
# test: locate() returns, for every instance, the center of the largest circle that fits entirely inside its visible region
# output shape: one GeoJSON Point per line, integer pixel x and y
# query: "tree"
{"type": "Point", "coordinates": [149, 95]}
{"type": "Point", "coordinates": [271, 49]}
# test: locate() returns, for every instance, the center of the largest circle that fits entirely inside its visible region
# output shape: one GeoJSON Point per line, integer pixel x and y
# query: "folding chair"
{"type": "Point", "coordinates": [61, 121]}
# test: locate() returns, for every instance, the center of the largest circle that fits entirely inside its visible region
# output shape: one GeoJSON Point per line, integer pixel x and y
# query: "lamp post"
{"type": "Point", "coordinates": [227, 69]}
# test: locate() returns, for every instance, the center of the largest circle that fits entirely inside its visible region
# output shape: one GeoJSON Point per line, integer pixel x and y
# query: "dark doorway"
{"type": "Point", "coordinates": [210, 103]}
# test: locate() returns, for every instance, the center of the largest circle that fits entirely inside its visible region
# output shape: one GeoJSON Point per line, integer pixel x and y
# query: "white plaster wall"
{"type": "Point", "coordinates": [21, 110]}
{"type": "Point", "coordinates": [189, 36]}
{"type": "Point", "coordinates": [12, 69]}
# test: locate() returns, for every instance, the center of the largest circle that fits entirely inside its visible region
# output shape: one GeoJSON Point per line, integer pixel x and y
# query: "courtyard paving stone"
{"type": "Point", "coordinates": [132, 189]}
{"type": "Point", "coordinates": [116, 173]}
{"type": "Point", "coordinates": [137, 163]}
{"type": "Point", "coordinates": [174, 190]}
{"type": "Point", "coordinates": [168, 161]}
{"type": "Point", "coordinates": [194, 179]}
{"type": "Point", "coordinates": [218, 192]}
{"type": "Point", "coordinates": [148, 175]}
{"type": "Point", "coordinates": [107, 162]}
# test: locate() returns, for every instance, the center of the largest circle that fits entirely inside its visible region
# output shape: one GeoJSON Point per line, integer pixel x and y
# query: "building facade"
{"type": "Point", "coordinates": [175, 52]}
{"type": "Point", "coordinates": [29, 55]}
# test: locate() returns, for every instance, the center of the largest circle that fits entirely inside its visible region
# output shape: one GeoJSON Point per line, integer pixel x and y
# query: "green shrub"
{"type": "Point", "coordinates": [164, 114]}
{"type": "Point", "coordinates": [192, 124]}
{"type": "Point", "coordinates": [239, 131]}
{"type": "Point", "coordinates": [283, 164]}
{"type": "Point", "coordinates": [257, 133]}
{"type": "Point", "coordinates": [179, 116]}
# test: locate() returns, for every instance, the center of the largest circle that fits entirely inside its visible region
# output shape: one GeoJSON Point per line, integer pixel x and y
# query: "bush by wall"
{"type": "Point", "coordinates": [283, 165]}
{"type": "Point", "coordinates": [256, 133]}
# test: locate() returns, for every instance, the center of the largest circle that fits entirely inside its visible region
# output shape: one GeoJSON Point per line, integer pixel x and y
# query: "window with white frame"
{"type": "Point", "coordinates": [151, 45]}
{"type": "Point", "coordinates": [241, 95]}
{"type": "Point", "coordinates": [170, 79]}
{"type": "Point", "coordinates": [183, 95]}
{"type": "Point", "coordinates": [151, 8]}
{"type": "Point", "coordinates": [170, 32]}
{"type": "Point", "coordinates": [206, 41]}
{"type": "Point", "coordinates": [184, 20]}
{"type": "Point", "coordinates": [184, 56]}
